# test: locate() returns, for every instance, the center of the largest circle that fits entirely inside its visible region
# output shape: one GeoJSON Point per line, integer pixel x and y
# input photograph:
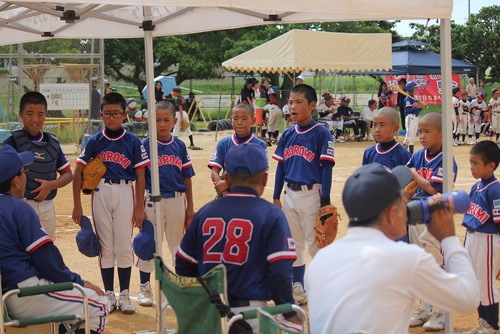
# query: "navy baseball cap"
{"type": "Point", "coordinates": [371, 188]}
{"type": "Point", "coordinates": [86, 240]}
{"type": "Point", "coordinates": [11, 162]}
{"type": "Point", "coordinates": [246, 159]}
{"type": "Point", "coordinates": [144, 244]}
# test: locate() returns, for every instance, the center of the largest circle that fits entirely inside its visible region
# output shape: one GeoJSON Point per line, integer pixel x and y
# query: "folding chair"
{"type": "Point", "coordinates": [53, 320]}
{"type": "Point", "coordinates": [269, 325]}
{"type": "Point", "coordinates": [193, 309]}
{"type": "Point", "coordinates": [272, 328]}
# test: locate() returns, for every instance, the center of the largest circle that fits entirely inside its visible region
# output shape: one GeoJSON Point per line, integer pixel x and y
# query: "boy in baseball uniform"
{"type": "Point", "coordinates": [176, 191]}
{"type": "Point", "coordinates": [180, 115]}
{"type": "Point", "coordinates": [482, 239]}
{"type": "Point", "coordinates": [242, 119]}
{"type": "Point", "coordinates": [455, 115]}
{"type": "Point", "coordinates": [463, 125]}
{"type": "Point", "coordinates": [116, 208]}
{"type": "Point", "coordinates": [494, 107]}
{"type": "Point", "coordinates": [477, 108]}
{"type": "Point", "coordinates": [412, 110]}
{"type": "Point", "coordinates": [305, 156]}
{"type": "Point", "coordinates": [43, 180]}
{"type": "Point", "coordinates": [427, 169]}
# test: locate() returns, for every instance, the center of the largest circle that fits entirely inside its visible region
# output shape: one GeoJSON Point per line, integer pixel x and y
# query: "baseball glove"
{"type": "Point", "coordinates": [326, 225]}
{"type": "Point", "coordinates": [184, 123]}
{"type": "Point", "coordinates": [410, 189]}
{"type": "Point", "coordinates": [91, 175]}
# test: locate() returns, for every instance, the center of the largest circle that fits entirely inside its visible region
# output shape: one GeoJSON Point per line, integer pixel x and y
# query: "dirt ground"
{"type": "Point", "coordinates": [348, 158]}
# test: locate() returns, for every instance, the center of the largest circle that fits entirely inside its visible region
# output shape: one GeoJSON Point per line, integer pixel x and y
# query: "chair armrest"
{"type": "Point", "coordinates": [43, 289]}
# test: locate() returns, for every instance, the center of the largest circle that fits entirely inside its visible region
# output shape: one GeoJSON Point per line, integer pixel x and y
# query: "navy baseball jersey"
{"type": "Point", "coordinates": [484, 209]}
{"type": "Point", "coordinates": [249, 235]}
{"type": "Point", "coordinates": [174, 165]}
{"type": "Point", "coordinates": [390, 154]}
{"type": "Point", "coordinates": [21, 234]}
{"type": "Point", "coordinates": [301, 151]}
{"type": "Point", "coordinates": [430, 167]}
{"type": "Point", "coordinates": [411, 106]}
{"type": "Point", "coordinates": [121, 155]}
{"type": "Point", "coordinates": [219, 156]}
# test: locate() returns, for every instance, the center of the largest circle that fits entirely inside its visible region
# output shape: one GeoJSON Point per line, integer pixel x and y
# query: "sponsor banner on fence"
{"type": "Point", "coordinates": [430, 88]}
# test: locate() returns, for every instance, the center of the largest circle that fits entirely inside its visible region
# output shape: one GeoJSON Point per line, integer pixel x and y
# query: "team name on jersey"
{"type": "Point", "coordinates": [300, 151]}
{"type": "Point", "coordinates": [476, 211]}
{"type": "Point", "coordinates": [169, 160]}
{"type": "Point", "coordinates": [116, 157]}
{"type": "Point", "coordinates": [428, 173]}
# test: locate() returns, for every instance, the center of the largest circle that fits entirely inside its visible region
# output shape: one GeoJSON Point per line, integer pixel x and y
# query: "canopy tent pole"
{"type": "Point", "coordinates": [218, 109]}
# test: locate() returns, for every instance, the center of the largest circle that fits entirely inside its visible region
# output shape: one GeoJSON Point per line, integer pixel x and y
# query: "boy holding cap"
{"type": "Point", "coordinates": [249, 235]}
{"type": "Point", "coordinates": [392, 273]}
{"type": "Point", "coordinates": [29, 257]}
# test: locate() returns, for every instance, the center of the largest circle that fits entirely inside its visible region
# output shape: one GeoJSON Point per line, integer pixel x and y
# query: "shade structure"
{"type": "Point", "coordinates": [305, 50]}
{"type": "Point", "coordinates": [30, 20]}
{"type": "Point", "coordinates": [425, 62]}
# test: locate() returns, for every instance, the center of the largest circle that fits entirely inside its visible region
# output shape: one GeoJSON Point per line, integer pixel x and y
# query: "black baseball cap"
{"type": "Point", "coordinates": [370, 189]}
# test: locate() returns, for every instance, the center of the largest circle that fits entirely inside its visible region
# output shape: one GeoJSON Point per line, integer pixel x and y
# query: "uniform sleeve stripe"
{"type": "Point", "coordinates": [64, 167]}
{"type": "Point", "coordinates": [80, 162]}
{"type": "Point", "coordinates": [187, 165]}
{"type": "Point", "coordinates": [436, 179]}
{"type": "Point", "coordinates": [186, 257]}
{"type": "Point", "coordinates": [277, 158]}
{"type": "Point", "coordinates": [214, 164]}
{"type": "Point", "coordinates": [288, 255]}
{"type": "Point", "coordinates": [142, 164]}
{"type": "Point", "coordinates": [496, 220]}
{"type": "Point", "coordinates": [327, 157]}
{"type": "Point", "coordinates": [38, 243]}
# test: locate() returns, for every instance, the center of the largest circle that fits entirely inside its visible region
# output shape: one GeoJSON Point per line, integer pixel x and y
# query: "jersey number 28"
{"type": "Point", "coordinates": [234, 237]}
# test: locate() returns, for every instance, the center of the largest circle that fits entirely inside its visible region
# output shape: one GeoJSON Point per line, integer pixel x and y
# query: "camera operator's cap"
{"type": "Point", "coordinates": [11, 162]}
{"type": "Point", "coordinates": [371, 188]}
{"type": "Point", "coordinates": [176, 90]}
{"type": "Point", "coordinates": [144, 244]}
{"type": "Point", "coordinates": [246, 159]}
{"type": "Point", "coordinates": [86, 240]}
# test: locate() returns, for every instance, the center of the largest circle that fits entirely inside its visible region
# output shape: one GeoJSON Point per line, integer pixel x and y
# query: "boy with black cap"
{"type": "Point", "coordinates": [249, 235]}
{"type": "Point", "coordinates": [392, 273]}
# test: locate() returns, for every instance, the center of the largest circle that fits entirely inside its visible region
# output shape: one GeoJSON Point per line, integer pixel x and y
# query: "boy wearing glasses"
{"type": "Point", "coordinates": [115, 208]}
{"type": "Point", "coordinates": [51, 169]}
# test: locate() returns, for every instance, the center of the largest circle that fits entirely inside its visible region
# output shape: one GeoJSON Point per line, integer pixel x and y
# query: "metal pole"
{"type": "Point", "coordinates": [445, 33]}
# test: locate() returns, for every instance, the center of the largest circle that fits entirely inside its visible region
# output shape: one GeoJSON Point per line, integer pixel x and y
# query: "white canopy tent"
{"type": "Point", "coordinates": [32, 20]}
{"type": "Point", "coordinates": [305, 50]}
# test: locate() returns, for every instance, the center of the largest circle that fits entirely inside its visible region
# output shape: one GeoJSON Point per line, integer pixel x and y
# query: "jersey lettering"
{"type": "Point", "coordinates": [116, 157]}
{"type": "Point", "coordinates": [300, 151]}
{"type": "Point", "coordinates": [478, 213]}
{"type": "Point", "coordinates": [236, 247]}
{"type": "Point", "coordinates": [426, 173]}
{"type": "Point", "coordinates": [169, 160]}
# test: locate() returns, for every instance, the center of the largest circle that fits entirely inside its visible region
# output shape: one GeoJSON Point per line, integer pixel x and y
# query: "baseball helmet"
{"type": "Point", "coordinates": [138, 115]}
{"type": "Point", "coordinates": [480, 96]}
{"type": "Point", "coordinates": [86, 240]}
{"type": "Point", "coordinates": [494, 91]}
{"type": "Point", "coordinates": [131, 104]}
{"type": "Point", "coordinates": [410, 86]}
{"type": "Point", "coordinates": [145, 115]}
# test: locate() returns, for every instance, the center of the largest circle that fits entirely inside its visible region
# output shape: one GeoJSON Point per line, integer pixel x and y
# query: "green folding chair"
{"type": "Point", "coordinates": [193, 309]}
{"type": "Point", "coordinates": [7, 321]}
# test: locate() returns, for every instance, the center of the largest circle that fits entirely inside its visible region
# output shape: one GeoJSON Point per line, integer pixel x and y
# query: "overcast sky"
{"type": "Point", "coordinates": [459, 14]}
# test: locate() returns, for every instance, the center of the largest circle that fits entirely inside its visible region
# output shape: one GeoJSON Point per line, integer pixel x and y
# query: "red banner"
{"type": "Point", "coordinates": [430, 88]}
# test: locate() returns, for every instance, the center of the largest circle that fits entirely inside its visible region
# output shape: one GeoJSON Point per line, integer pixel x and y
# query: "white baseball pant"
{"type": "Point", "coordinates": [495, 121]}
{"type": "Point", "coordinates": [411, 129]}
{"type": "Point", "coordinates": [177, 126]}
{"type": "Point", "coordinates": [47, 214]}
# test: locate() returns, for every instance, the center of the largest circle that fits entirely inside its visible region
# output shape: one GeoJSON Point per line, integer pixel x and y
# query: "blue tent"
{"type": "Point", "coordinates": [425, 62]}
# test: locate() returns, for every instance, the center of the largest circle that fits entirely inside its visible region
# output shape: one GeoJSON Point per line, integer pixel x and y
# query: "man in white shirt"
{"type": "Point", "coordinates": [366, 281]}
{"type": "Point", "coordinates": [328, 115]}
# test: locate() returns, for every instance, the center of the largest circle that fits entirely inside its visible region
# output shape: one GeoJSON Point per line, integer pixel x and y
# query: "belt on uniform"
{"type": "Point", "coordinates": [115, 181]}
{"type": "Point", "coordinates": [298, 187]}
{"type": "Point", "coordinates": [470, 230]}
{"type": "Point", "coordinates": [169, 194]}
{"type": "Point", "coordinates": [236, 302]}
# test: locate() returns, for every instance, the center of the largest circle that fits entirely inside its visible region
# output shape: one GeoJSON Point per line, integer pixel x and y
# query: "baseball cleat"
{"type": "Point", "coordinates": [124, 303]}
{"type": "Point", "coordinates": [482, 323]}
{"type": "Point", "coordinates": [435, 323]}
{"type": "Point", "coordinates": [112, 300]}
{"type": "Point", "coordinates": [145, 295]}
{"type": "Point", "coordinates": [299, 295]}
{"type": "Point", "coordinates": [419, 317]}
